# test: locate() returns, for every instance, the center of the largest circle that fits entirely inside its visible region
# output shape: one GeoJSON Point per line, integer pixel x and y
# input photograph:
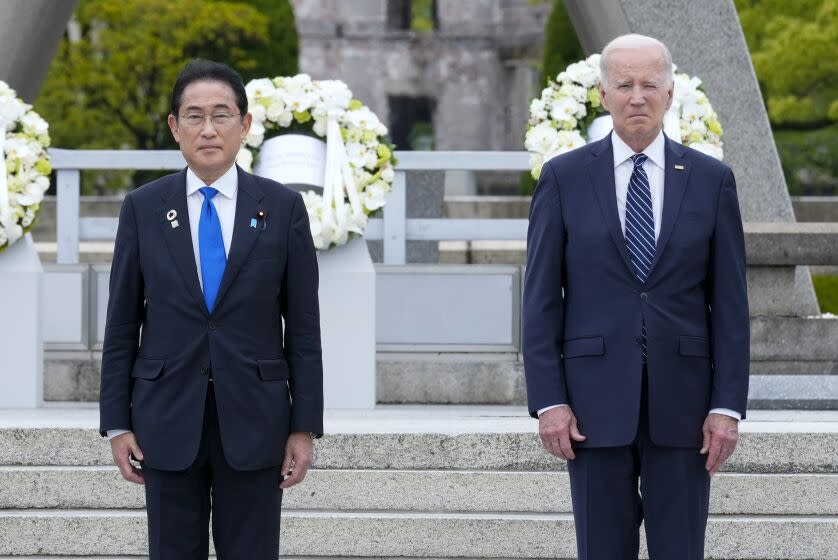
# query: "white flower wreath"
{"type": "Point", "coordinates": [364, 164]}
{"type": "Point", "coordinates": [561, 118]}
{"type": "Point", "coordinates": [24, 166]}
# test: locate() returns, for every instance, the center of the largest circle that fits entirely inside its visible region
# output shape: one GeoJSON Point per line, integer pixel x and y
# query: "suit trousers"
{"type": "Point", "coordinates": [245, 505]}
{"type": "Point", "coordinates": [672, 498]}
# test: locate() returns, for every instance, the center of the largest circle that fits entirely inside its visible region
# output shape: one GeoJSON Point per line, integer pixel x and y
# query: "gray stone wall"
{"type": "Point", "coordinates": [477, 66]}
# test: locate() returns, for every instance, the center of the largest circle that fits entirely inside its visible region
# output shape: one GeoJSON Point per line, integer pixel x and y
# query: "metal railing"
{"type": "Point", "coordinates": [395, 229]}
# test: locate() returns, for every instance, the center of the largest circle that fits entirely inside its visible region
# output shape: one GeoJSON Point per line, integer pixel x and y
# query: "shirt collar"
{"type": "Point", "coordinates": [226, 185]}
{"type": "Point", "coordinates": [654, 151]}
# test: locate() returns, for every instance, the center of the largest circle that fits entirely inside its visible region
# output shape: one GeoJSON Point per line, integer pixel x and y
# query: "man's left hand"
{"type": "Point", "coordinates": [721, 433]}
{"type": "Point", "coordinates": [299, 452]}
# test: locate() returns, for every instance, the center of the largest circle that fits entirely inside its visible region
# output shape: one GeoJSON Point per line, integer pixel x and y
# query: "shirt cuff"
{"type": "Point", "coordinates": [727, 412]}
{"type": "Point", "coordinates": [546, 408]}
{"type": "Point", "coordinates": [113, 433]}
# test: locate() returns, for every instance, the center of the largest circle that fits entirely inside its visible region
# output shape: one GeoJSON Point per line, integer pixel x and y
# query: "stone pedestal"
{"type": "Point", "coordinates": [347, 323]}
{"type": "Point", "coordinates": [21, 343]}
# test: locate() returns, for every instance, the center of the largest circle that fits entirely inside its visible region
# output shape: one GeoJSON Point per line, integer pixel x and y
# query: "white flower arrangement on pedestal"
{"type": "Point", "coordinates": [359, 162]}
{"type": "Point", "coordinates": [569, 113]}
{"type": "Point", "coordinates": [24, 166]}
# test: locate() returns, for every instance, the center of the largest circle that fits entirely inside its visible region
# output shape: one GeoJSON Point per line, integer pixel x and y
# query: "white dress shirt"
{"type": "Point", "coordinates": [225, 205]}
{"type": "Point", "coordinates": [654, 167]}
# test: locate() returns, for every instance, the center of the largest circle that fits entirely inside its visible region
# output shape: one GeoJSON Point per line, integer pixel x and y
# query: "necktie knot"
{"type": "Point", "coordinates": [208, 192]}
{"type": "Point", "coordinates": [639, 159]}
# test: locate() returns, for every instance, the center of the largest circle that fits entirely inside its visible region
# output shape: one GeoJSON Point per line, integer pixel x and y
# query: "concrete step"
{"type": "Point", "coordinates": [496, 438]}
{"type": "Point", "coordinates": [418, 491]}
{"type": "Point", "coordinates": [475, 379]}
{"type": "Point", "coordinates": [376, 534]}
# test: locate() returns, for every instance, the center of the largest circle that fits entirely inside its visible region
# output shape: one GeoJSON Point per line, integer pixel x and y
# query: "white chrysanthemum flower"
{"type": "Point", "coordinates": [259, 112]}
{"type": "Point", "coordinates": [583, 73]}
{"type": "Point", "coordinates": [540, 137]}
{"type": "Point", "coordinates": [374, 196]}
{"type": "Point", "coordinates": [538, 110]}
{"type": "Point", "coordinates": [334, 94]}
{"type": "Point", "coordinates": [244, 158]}
{"type": "Point", "coordinates": [565, 108]}
{"type": "Point", "coordinates": [298, 93]}
{"type": "Point", "coordinates": [262, 87]}
{"type": "Point", "coordinates": [388, 174]}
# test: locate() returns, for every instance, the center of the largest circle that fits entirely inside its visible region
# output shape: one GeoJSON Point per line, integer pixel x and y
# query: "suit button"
{"type": "Point", "coordinates": [644, 296]}
{"type": "Point", "coordinates": [211, 325]}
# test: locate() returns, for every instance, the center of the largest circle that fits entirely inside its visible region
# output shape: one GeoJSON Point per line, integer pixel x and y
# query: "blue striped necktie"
{"type": "Point", "coordinates": [211, 248]}
{"type": "Point", "coordinates": [640, 226]}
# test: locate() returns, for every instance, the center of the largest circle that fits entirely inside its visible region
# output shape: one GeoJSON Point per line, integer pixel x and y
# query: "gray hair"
{"type": "Point", "coordinates": [633, 40]}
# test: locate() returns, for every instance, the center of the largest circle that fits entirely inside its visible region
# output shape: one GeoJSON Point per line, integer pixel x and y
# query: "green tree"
{"type": "Point", "coordinates": [792, 46]}
{"type": "Point", "coordinates": [561, 44]}
{"type": "Point", "coordinates": [281, 55]}
{"type": "Point", "coordinates": [110, 87]}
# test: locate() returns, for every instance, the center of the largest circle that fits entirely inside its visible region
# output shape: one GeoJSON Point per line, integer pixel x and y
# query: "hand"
{"type": "Point", "coordinates": [556, 427]}
{"type": "Point", "coordinates": [299, 452]}
{"type": "Point", "coordinates": [123, 448]}
{"type": "Point", "coordinates": [721, 433]}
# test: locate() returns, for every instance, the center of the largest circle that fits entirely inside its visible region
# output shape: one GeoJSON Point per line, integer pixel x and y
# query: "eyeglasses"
{"type": "Point", "coordinates": [217, 119]}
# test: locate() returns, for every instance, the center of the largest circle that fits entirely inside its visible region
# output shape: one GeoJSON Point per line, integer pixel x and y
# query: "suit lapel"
{"type": "Point", "coordinates": [601, 171]}
{"type": "Point", "coordinates": [248, 201]}
{"type": "Point", "coordinates": [179, 239]}
{"type": "Point", "coordinates": [674, 184]}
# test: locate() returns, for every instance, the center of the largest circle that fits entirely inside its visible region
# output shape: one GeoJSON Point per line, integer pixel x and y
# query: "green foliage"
{"type": "Point", "coordinates": [112, 87]}
{"type": "Point", "coordinates": [280, 56]}
{"type": "Point", "coordinates": [422, 16]}
{"type": "Point", "coordinates": [793, 49]}
{"type": "Point", "coordinates": [826, 288]}
{"type": "Point", "coordinates": [792, 46]}
{"type": "Point", "coordinates": [561, 45]}
{"type": "Point", "coordinates": [810, 160]}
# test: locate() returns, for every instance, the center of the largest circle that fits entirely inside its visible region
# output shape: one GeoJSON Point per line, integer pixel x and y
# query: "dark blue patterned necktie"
{"type": "Point", "coordinates": [640, 226]}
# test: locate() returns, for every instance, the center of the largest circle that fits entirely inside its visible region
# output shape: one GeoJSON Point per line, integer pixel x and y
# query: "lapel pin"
{"type": "Point", "coordinates": [679, 167]}
{"type": "Point", "coordinates": [260, 217]}
{"type": "Point", "coordinates": [174, 224]}
{"type": "Point", "coordinates": [171, 215]}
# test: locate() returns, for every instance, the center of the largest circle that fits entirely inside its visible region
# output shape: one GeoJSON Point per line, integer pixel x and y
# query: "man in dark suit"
{"type": "Point", "coordinates": [211, 369]}
{"type": "Point", "coordinates": [636, 333]}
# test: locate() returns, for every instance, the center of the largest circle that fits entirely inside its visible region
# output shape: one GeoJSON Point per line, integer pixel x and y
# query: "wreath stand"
{"type": "Point", "coordinates": [347, 282]}
{"type": "Point", "coordinates": [21, 341]}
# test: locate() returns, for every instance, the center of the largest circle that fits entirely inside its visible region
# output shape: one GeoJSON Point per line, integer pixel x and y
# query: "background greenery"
{"type": "Point", "coordinates": [793, 48]}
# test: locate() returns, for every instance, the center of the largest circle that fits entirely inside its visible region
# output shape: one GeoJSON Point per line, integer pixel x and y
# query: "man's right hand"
{"type": "Point", "coordinates": [123, 447]}
{"type": "Point", "coordinates": [556, 427]}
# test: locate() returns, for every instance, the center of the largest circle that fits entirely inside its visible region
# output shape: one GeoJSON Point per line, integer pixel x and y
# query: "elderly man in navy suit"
{"type": "Point", "coordinates": [211, 369]}
{"type": "Point", "coordinates": [636, 333]}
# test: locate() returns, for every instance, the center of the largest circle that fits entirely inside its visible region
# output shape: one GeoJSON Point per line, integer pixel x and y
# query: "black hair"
{"type": "Point", "coordinates": [198, 70]}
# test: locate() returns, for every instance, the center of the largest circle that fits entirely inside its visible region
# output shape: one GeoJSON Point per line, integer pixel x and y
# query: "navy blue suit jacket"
{"type": "Point", "coordinates": [160, 339]}
{"type": "Point", "coordinates": [584, 307]}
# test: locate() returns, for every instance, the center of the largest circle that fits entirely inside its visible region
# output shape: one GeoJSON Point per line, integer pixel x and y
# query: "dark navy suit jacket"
{"type": "Point", "coordinates": [160, 340]}
{"type": "Point", "coordinates": [584, 308]}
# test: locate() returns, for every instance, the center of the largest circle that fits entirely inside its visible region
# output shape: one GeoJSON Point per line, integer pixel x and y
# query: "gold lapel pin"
{"type": "Point", "coordinates": [679, 167]}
